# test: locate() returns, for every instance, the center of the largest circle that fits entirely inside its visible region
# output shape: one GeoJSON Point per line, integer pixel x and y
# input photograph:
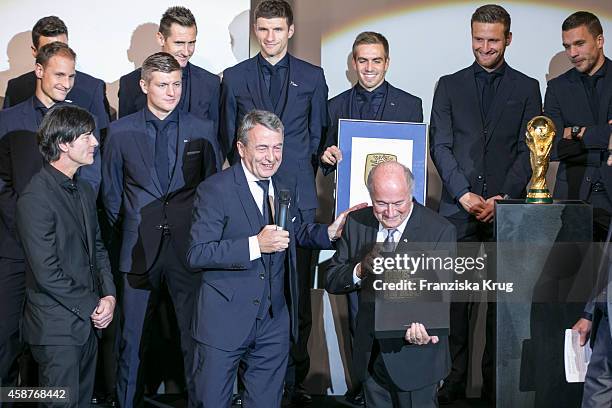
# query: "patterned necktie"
{"type": "Point", "coordinates": [389, 244]}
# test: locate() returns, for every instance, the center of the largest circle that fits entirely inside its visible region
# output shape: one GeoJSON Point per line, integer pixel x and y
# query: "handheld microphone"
{"type": "Point", "coordinates": [284, 200]}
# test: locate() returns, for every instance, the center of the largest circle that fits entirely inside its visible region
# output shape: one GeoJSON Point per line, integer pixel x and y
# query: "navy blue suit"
{"type": "Point", "coordinates": [485, 155]}
{"type": "Point", "coordinates": [203, 101]}
{"type": "Point", "coordinates": [20, 160]}
{"type": "Point", "coordinates": [398, 105]}
{"type": "Point", "coordinates": [153, 225]}
{"type": "Point", "coordinates": [304, 114]}
{"type": "Point", "coordinates": [88, 92]}
{"type": "Point", "coordinates": [226, 323]}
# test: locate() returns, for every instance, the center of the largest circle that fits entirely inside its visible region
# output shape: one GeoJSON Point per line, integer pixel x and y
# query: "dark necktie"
{"type": "Point", "coordinates": [488, 92]}
{"type": "Point", "coordinates": [590, 83]}
{"type": "Point", "coordinates": [389, 244]}
{"type": "Point", "coordinates": [367, 111]}
{"type": "Point", "coordinates": [275, 83]}
{"type": "Point", "coordinates": [265, 208]}
{"type": "Point", "coordinates": [161, 153]}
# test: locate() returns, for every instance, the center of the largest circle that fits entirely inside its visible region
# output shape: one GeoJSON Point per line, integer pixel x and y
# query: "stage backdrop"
{"type": "Point", "coordinates": [114, 37]}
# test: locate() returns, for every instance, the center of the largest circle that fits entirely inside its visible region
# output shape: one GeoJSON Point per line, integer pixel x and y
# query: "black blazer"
{"type": "Point", "coordinates": [20, 159]}
{"type": "Point", "coordinates": [303, 110]}
{"type": "Point", "coordinates": [88, 92]}
{"type": "Point", "coordinates": [398, 106]}
{"type": "Point", "coordinates": [410, 367]}
{"type": "Point", "coordinates": [67, 271]}
{"type": "Point", "coordinates": [567, 105]}
{"type": "Point", "coordinates": [131, 192]}
{"type": "Point", "coordinates": [204, 94]}
{"type": "Point", "coordinates": [471, 153]}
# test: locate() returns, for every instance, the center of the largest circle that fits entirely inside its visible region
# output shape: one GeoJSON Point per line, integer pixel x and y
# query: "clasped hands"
{"type": "Point", "coordinates": [103, 315]}
{"type": "Point", "coordinates": [483, 210]}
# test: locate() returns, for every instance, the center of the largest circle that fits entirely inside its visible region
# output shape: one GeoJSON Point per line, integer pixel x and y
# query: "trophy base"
{"type": "Point", "coordinates": [539, 196]}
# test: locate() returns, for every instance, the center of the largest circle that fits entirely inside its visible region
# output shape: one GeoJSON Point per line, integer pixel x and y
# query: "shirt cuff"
{"type": "Point", "coordinates": [254, 251]}
{"type": "Point", "coordinates": [356, 279]}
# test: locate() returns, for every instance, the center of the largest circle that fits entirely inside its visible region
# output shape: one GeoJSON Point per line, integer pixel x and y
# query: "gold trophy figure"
{"type": "Point", "coordinates": [539, 137]}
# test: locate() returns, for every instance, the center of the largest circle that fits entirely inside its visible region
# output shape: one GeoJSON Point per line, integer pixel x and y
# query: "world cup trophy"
{"type": "Point", "coordinates": [539, 137]}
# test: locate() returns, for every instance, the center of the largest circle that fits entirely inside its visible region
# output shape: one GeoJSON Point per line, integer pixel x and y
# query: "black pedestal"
{"type": "Point", "coordinates": [542, 249]}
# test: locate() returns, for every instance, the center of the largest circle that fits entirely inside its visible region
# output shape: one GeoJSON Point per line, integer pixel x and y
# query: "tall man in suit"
{"type": "Point", "coordinates": [70, 291]}
{"type": "Point", "coordinates": [477, 143]}
{"type": "Point", "coordinates": [88, 92]}
{"type": "Point", "coordinates": [296, 91]}
{"type": "Point", "coordinates": [20, 160]}
{"type": "Point", "coordinates": [200, 93]}
{"type": "Point", "coordinates": [152, 164]}
{"type": "Point", "coordinates": [246, 312]}
{"type": "Point", "coordinates": [398, 373]}
{"type": "Point", "coordinates": [580, 104]}
{"type": "Point", "coordinates": [372, 97]}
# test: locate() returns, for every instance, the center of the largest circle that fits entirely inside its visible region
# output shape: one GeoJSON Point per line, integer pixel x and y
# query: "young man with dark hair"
{"type": "Point", "coordinates": [70, 293]}
{"type": "Point", "coordinates": [153, 161]}
{"type": "Point", "coordinates": [88, 92]}
{"type": "Point", "coordinates": [477, 142]}
{"type": "Point", "coordinates": [200, 90]}
{"type": "Point", "coordinates": [580, 104]}
{"type": "Point", "coordinates": [20, 159]}
{"type": "Point", "coordinates": [294, 90]}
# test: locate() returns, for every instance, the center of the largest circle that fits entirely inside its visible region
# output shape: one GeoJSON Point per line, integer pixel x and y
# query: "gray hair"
{"type": "Point", "coordinates": [407, 175]}
{"type": "Point", "coordinates": [259, 117]}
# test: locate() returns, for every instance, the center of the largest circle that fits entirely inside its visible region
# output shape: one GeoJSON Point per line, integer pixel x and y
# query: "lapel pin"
{"type": "Point", "coordinates": [185, 140]}
{"type": "Point", "coordinates": [293, 83]}
{"type": "Point", "coordinates": [405, 240]}
{"type": "Point", "coordinates": [392, 103]}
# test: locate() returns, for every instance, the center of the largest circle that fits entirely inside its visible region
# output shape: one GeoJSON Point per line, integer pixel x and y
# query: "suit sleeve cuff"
{"type": "Point", "coordinates": [254, 251]}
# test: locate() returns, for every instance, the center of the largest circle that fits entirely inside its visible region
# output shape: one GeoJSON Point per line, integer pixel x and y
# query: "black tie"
{"type": "Point", "coordinates": [161, 153]}
{"type": "Point", "coordinates": [389, 244]}
{"type": "Point", "coordinates": [276, 83]}
{"type": "Point", "coordinates": [367, 109]}
{"type": "Point", "coordinates": [488, 92]}
{"type": "Point", "coordinates": [590, 83]}
{"type": "Point", "coordinates": [265, 208]}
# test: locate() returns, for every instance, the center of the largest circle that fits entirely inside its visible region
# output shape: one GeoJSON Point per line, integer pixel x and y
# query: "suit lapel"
{"type": "Point", "coordinates": [246, 199]}
{"type": "Point", "coordinates": [578, 94]}
{"type": "Point", "coordinates": [146, 148]}
{"type": "Point", "coordinates": [291, 88]}
{"type": "Point", "coordinates": [470, 90]}
{"type": "Point", "coordinates": [389, 106]}
{"type": "Point", "coordinates": [503, 94]}
{"type": "Point", "coordinates": [253, 85]}
{"type": "Point", "coordinates": [606, 98]}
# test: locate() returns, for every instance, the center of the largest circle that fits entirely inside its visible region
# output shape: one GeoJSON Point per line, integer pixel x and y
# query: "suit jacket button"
{"type": "Point", "coordinates": [256, 302]}
{"type": "Point", "coordinates": [479, 178]}
{"type": "Point", "coordinates": [262, 276]}
{"type": "Point", "coordinates": [588, 179]}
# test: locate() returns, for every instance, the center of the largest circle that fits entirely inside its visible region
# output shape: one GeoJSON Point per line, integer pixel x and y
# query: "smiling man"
{"type": "Point", "coordinates": [372, 97]}
{"type": "Point", "coordinates": [153, 161]}
{"type": "Point", "coordinates": [177, 36]}
{"type": "Point", "coordinates": [247, 306]}
{"type": "Point", "coordinates": [295, 91]}
{"type": "Point", "coordinates": [477, 142]}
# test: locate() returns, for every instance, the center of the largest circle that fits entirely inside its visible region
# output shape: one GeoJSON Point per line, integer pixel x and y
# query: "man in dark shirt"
{"type": "Point", "coordinates": [70, 293]}
{"type": "Point", "coordinates": [477, 142]}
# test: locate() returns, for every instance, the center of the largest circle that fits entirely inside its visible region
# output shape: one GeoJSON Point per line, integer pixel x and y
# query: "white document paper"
{"type": "Point", "coordinates": [577, 357]}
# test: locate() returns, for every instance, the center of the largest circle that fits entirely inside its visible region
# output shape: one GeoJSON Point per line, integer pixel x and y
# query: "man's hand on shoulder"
{"type": "Point", "coordinates": [271, 239]}
{"type": "Point", "coordinates": [335, 228]}
{"type": "Point", "coordinates": [103, 315]}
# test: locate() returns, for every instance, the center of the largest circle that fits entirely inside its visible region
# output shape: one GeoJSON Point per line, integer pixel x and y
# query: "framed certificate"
{"type": "Point", "coordinates": [366, 143]}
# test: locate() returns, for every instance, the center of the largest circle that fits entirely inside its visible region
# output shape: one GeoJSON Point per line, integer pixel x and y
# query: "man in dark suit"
{"type": "Point", "coordinates": [246, 312]}
{"type": "Point", "coordinates": [398, 373]}
{"type": "Point", "coordinates": [153, 162]}
{"type": "Point", "coordinates": [200, 94]}
{"type": "Point", "coordinates": [70, 291]}
{"type": "Point", "coordinates": [295, 91]}
{"type": "Point", "coordinates": [88, 92]}
{"type": "Point", "coordinates": [580, 104]}
{"type": "Point", "coordinates": [477, 142]}
{"type": "Point", "coordinates": [20, 160]}
{"type": "Point", "coordinates": [372, 98]}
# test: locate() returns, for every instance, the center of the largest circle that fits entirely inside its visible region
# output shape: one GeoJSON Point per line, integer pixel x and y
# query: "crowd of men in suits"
{"type": "Point", "coordinates": [172, 218]}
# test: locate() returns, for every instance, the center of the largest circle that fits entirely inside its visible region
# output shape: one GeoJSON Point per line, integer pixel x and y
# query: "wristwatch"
{"type": "Point", "coordinates": [575, 132]}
